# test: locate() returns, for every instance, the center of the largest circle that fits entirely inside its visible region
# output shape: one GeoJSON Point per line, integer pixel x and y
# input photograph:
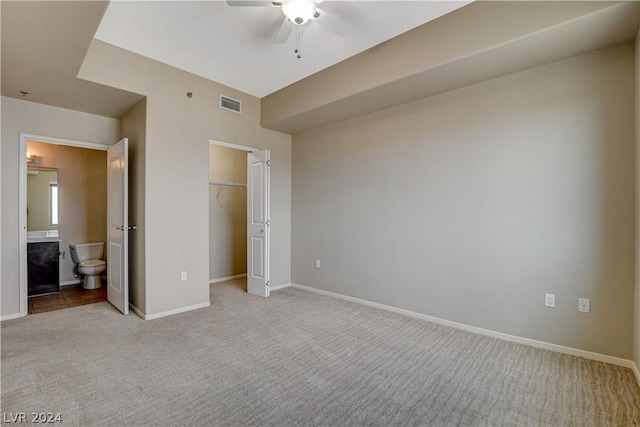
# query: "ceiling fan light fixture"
{"type": "Point", "coordinates": [299, 11]}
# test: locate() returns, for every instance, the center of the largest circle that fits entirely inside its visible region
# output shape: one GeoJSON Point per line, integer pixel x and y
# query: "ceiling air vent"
{"type": "Point", "coordinates": [230, 104]}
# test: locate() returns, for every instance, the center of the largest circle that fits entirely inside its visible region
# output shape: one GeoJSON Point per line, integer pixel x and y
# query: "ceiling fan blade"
{"type": "Point", "coordinates": [246, 3]}
{"type": "Point", "coordinates": [284, 32]}
{"type": "Point", "coordinates": [332, 22]}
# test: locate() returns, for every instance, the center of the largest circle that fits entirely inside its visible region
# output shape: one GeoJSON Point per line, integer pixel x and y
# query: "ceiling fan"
{"type": "Point", "coordinates": [297, 13]}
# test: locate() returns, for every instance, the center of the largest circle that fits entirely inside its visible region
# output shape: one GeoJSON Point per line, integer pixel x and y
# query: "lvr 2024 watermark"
{"type": "Point", "coordinates": [31, 417]}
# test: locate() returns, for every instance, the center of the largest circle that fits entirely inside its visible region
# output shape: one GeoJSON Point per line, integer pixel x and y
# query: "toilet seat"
{"type": "Point", "coordinates": [92, 263]}
{"type": "Point", "coordinates": [92, 268]}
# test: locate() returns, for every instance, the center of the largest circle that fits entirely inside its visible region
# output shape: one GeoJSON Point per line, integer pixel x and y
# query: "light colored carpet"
{"type": "Point", "coordinates": [296, 358]}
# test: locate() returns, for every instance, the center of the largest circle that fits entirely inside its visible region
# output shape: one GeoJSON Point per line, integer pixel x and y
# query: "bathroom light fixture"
{"type": "Point", "coordinates": [299, 11]}
{"type": "Point", "coordinates": [32, 159]}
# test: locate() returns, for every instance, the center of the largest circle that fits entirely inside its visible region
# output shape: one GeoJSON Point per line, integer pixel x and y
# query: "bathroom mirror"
{"type": "Point", "coordinates": [42, 199]}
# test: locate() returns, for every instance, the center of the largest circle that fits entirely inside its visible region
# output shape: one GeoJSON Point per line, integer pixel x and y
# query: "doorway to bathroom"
{"type": "Point", "coordinates": [63, 200]}
{"type": "Point", "coordinates": [239, 216]}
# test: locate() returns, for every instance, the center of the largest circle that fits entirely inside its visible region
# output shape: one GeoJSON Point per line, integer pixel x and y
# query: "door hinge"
{"type": "Point", "coordinates": [268, 162]}
{"type": "Point", "coordinates": [268, 223]}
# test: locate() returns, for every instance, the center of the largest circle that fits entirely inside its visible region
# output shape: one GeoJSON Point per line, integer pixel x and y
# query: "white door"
{"type": "Point", "coordinates": [258, 223]}
{"type": "Point", "coordinates": [118, 227]}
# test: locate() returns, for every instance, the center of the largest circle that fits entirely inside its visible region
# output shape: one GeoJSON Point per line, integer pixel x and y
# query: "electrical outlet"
{"type": "Point", "coordinates": [183, 276]}
{"type": "Point", "coordinates": [317, 263]}
{"type": "Point", "coordinates": [584, 305]}
{"type": "Point", "coordinates": [550, 300]}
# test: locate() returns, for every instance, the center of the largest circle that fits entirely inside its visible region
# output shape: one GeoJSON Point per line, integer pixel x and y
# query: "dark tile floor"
{"type": "Point", "coordinates": [69, 296]}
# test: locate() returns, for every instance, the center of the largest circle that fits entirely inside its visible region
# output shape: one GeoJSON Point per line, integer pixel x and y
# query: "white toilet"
{"type": "Point", "coordinates": [88, 257]}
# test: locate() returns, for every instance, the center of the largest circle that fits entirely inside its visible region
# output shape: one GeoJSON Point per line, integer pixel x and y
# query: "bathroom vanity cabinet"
{"type": "Point", "coordinates": [43, 267]}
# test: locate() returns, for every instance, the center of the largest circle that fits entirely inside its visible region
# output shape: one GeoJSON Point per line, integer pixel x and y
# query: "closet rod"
{"type": "Point", "coordinates": [223, 185]}
{"type": "Point", "coordinates": [227, 184]}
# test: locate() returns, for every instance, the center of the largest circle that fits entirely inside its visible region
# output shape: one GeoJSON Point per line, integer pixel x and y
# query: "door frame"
{"type": "Point", "coordinates": [232, 145]}
{"type": "Point", "coordinates": [22, 209]}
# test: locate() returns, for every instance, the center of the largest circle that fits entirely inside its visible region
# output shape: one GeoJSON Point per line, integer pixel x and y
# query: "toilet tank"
{"type": "Point", "coordinates": [86, 251]}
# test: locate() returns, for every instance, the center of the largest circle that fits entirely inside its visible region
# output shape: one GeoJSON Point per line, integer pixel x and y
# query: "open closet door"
{"type": "Point", "coordinates": [258, 215]}
{"type": "Point", "coordinates": [118, 227]}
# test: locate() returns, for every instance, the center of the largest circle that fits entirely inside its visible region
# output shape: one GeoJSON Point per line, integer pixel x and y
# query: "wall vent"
{"type": "Point", "coordinates": [230, 104]}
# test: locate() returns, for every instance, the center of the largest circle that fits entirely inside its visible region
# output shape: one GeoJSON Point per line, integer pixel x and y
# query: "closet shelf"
{"type": "Point", "coordinates": [223, 185]}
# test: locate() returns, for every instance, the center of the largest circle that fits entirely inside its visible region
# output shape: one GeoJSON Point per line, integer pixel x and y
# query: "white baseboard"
{"type": "Point", "coordinates": [71, 282]}
{"type": "Point", "coordinates": [224, 279]}
{"type": "Point", "coordinates": [10, 316]}
{"type": "Point", "coordinates": [171, 312]}
{"type": "Point", "coordinates": [636, 371]}
{"type": "Point", "coordinates": [276, 287]}
{"type": "Point", "coordinates": [506, 337]}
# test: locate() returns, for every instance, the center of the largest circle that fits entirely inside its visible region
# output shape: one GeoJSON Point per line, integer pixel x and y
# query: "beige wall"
{"type": "Point", "coordinates": [470, 205]}
{"type": "Point", "coordinates": [636, 331]}
{"type": "Point", "coordinates": [82, 183]}
{"type": "Point", "coordinates": [227, 213]}
{"type": "Point", "coordinates": [38, 119]}
{"type": "Point", "coordinates": [481, 41]}
{"type": "Point", "coordinates": [1, 208]}
{"type": "Point", "coordinates": [177, 168]}
{"type": "Point", "coordinates": [134, 127]}
{"type": "Point", "coordinates": [2, 311]}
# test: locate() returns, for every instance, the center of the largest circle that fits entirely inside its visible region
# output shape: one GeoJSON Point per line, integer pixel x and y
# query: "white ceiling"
{"type": "Point", "coordinates": [233, 45]}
